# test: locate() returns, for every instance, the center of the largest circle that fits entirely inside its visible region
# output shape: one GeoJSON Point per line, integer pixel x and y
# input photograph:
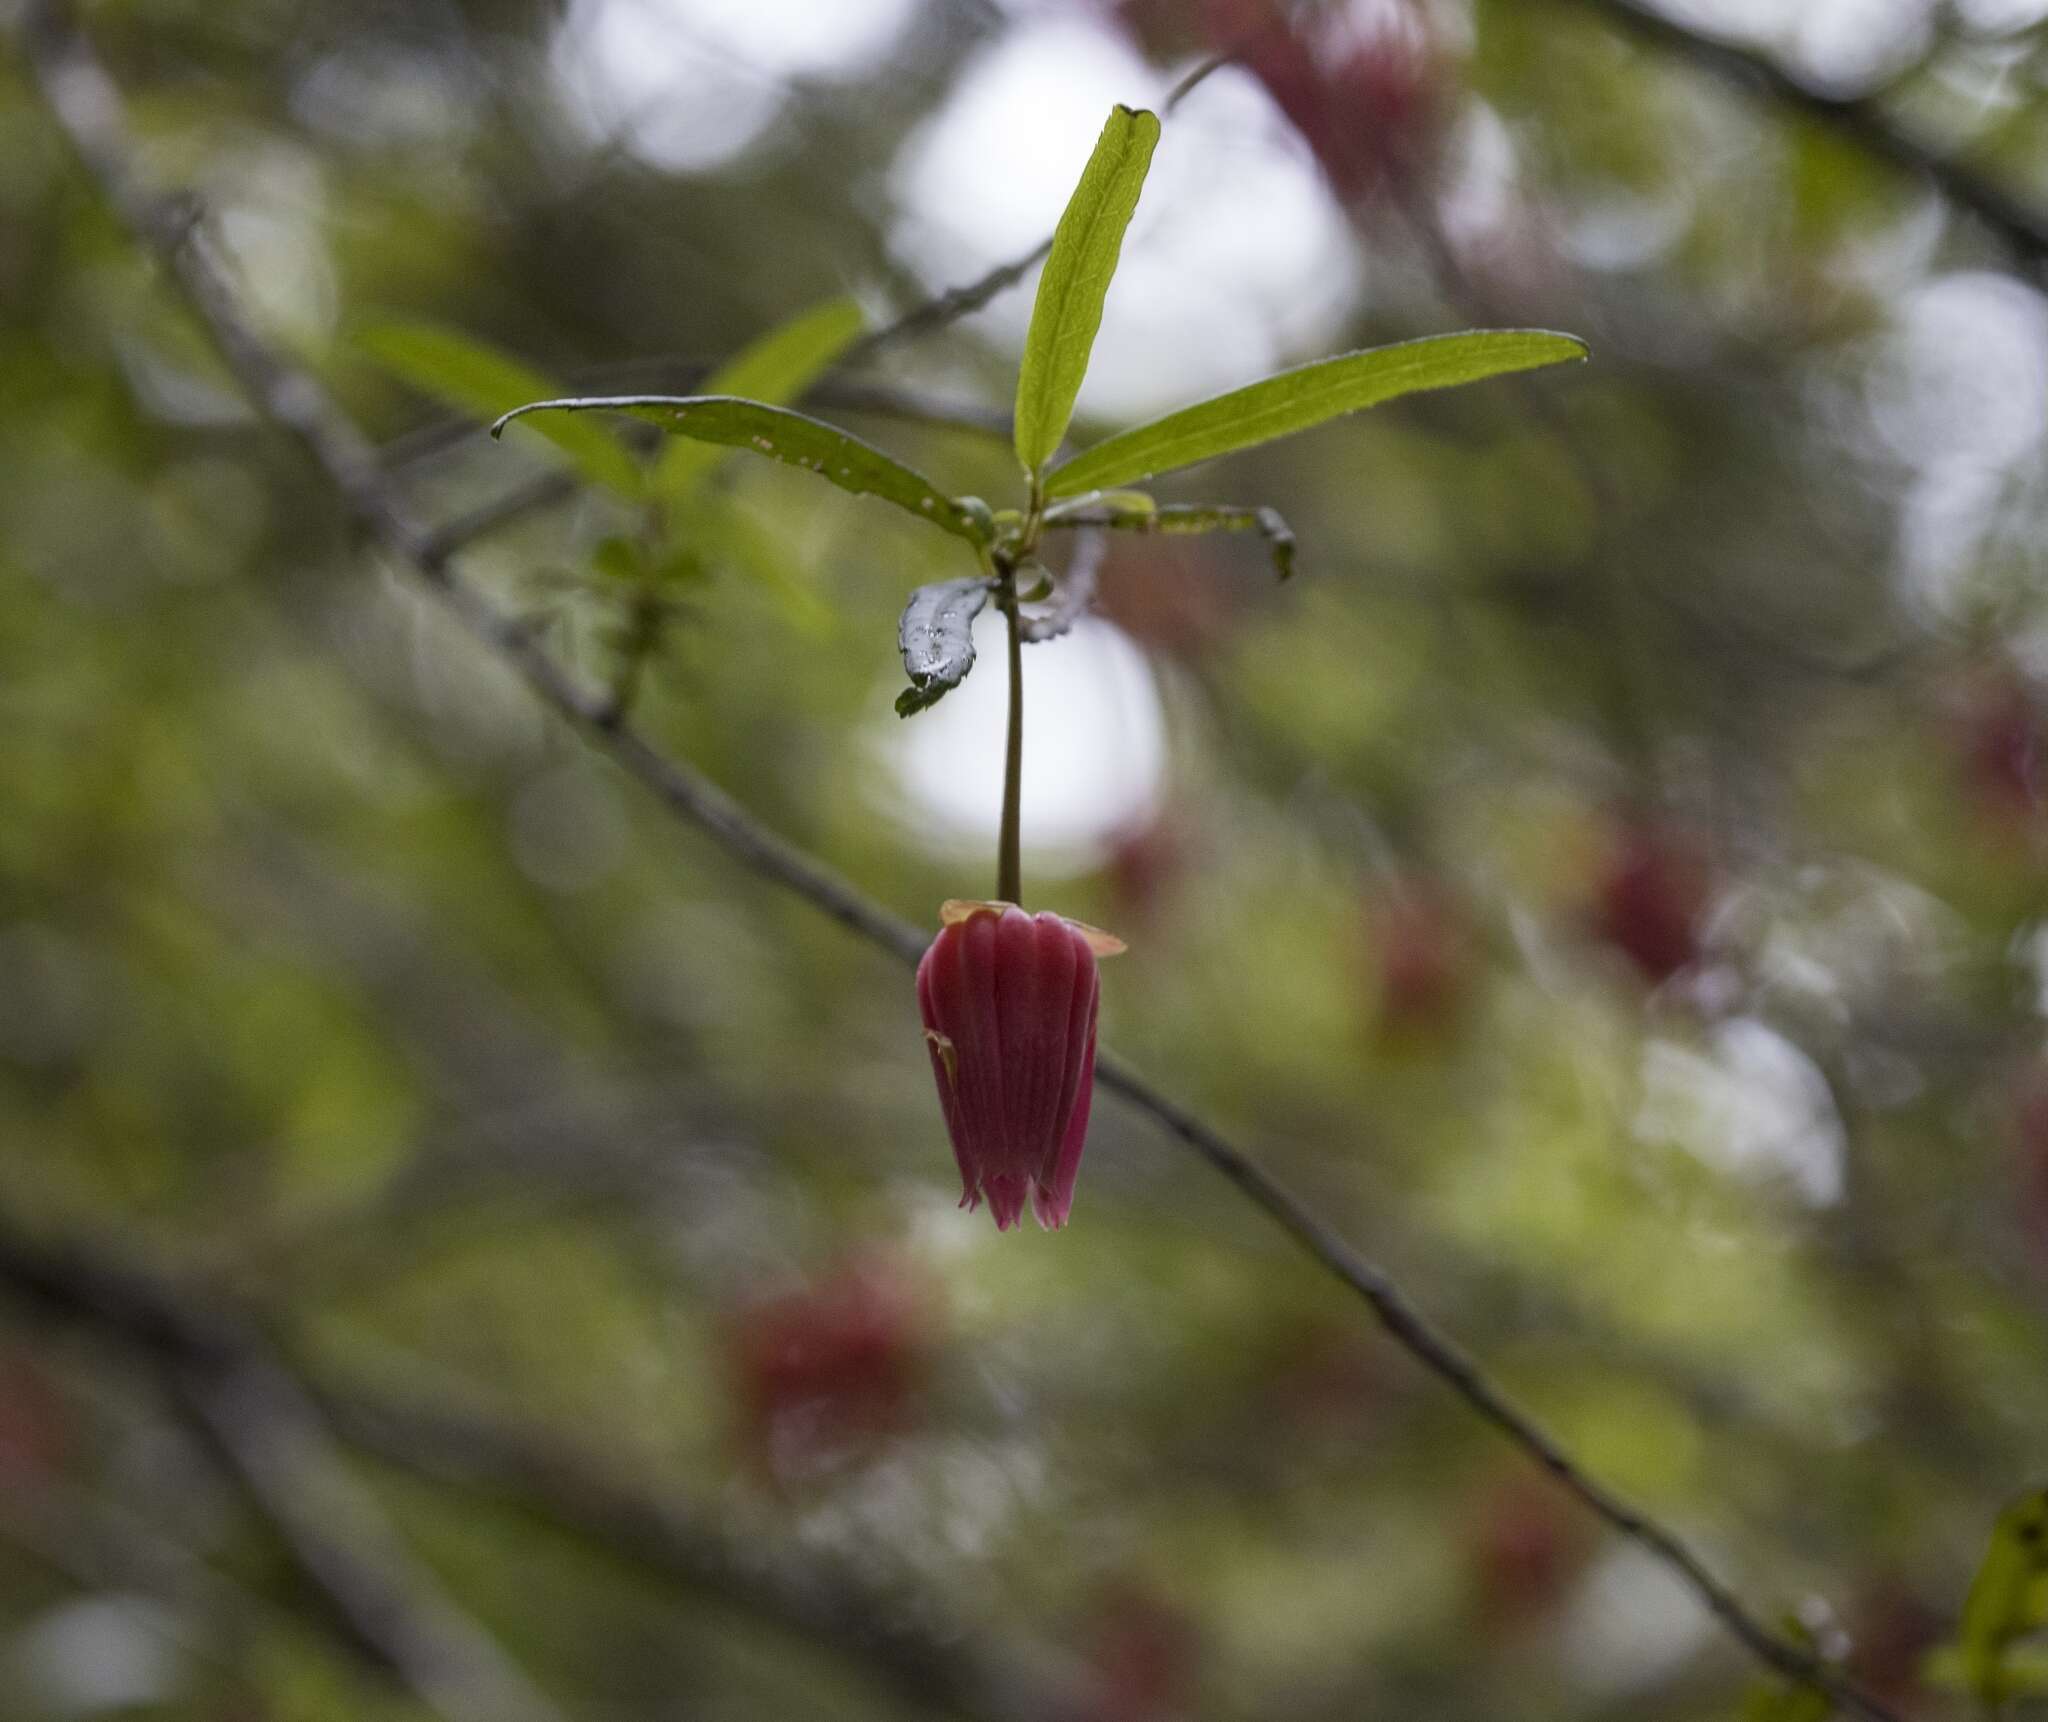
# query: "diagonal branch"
{"type": "Point", "coordinates": [935, 313]}
{"type": "Point", "coordinates": [578, 1492]}
{"type": "Point", "coordinates": [88, 108]}
{"type": "Point", "coordinates": [271, 1429]}
{"type": "Point", "coordinates": [1863, 121]}
{"type": "Point", "coordinates": [268, 1436]}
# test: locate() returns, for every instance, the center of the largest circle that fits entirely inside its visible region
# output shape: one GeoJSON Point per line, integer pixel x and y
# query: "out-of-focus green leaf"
{"type": "Point", "coordinates": [1068, 309]}
{"type": "Point", "coordinates": [776, 369]}
{"type": "Point", "coordinates": [2008, 1597]}
{"type": "Point", "coordinates": [477, 379]}
{"type": "Point", "coordinates": [757, 548]}
{"type": "Point", "coordinates": [2024, 1671]}
{"type": "Point", "coordinates": [1302, 398]}
{"type": "Point", "coordinates": [936, 636]}
{"type": "Point", "coordinates": [792, 438]}
{"type": "Point", "coordinates": [1118, 514]}
{"type": "Point", "coordinates": [620, 558]}
{"type": "Point", "coordinates": [1779, 1701]}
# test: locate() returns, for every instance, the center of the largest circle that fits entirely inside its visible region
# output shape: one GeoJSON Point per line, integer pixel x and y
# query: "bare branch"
{"type": "Point", "coordinates": [2022, 228]}
{"type": "Point", "coordinates": [270, 1438]}
{"type": "Point", "coordinates": [950, 306]}
{"type": "Point", "coordinates": [542, 491]}
{"type": "Point", "coordinates": [88, 108]}
{"type": "Point", "coordinates": [272, 1432]}
{"type": "Point", "coordinates": [101, 1546]}
{"type": "Point", "coordinates": [580, 1493]}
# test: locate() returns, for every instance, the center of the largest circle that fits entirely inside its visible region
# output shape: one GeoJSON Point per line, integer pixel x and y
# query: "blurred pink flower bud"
{"type": "Point", "coordinates": [1145, 1658]}
{"type": "Point", "coordinates": [1366, 86]}
{"type": "Point", "coordinates": [1009, 1004]}
{"type": "Point", "coordinates": [1425, 958]}
{"type": "Point", "coordinates": [1653, 892]}
{"type": "Point", "coordinates": [35, 1424]}
{"type": "Point", "coordinates": [825, 1373]}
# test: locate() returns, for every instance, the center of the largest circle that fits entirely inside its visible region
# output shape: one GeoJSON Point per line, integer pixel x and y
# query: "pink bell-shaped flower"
{"type": "Point", "coordinates": [1009, 1004]}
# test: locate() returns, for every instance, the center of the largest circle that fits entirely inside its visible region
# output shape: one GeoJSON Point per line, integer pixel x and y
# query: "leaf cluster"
{"type": "Point", "coordinates": [742, 408]}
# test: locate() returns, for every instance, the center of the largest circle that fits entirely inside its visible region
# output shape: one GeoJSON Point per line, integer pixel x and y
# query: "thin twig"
{"type": "Point", "coordinates": [88, 108]}
{"type": "Point", "coordinates": [542, 1475]}
{"type": "Point", "coordinates": [270, 1438]}
{"type": "Point", "coordinates": [542, 491]}
{"type": "Point", "coordinates": [1862, 121]}
{"type": "Point", "coordinates": [101, 1546]}
{"type": "Point", "coordinates": [261, 1417]}
{"type": "Point", "coordinates": [933, 314]}
{"type": "Point", "coordinates": [275, 1443]}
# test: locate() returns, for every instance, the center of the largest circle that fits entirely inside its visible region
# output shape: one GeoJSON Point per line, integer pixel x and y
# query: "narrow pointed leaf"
{"type": "Point", "coordinates": [477, 379]}
{"type": "Point", "coordinates": [1133, 511]}
{"type": "Point", "coordinates": [936, 636]}
{"type": "Point", "coordinates": [1299, 399]}
{"type": "Point", "coordinates": [1068, 309]}
{"type": "Point", "coordinates": [791, 438]}
{"type": "Point", "coordinates": [776, 370]}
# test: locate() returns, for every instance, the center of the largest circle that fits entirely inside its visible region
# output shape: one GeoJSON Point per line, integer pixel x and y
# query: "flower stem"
{"type": "Point", "coordinates": [1009, 862]}
{"type": "Point", "coordinates": [1004, 564]}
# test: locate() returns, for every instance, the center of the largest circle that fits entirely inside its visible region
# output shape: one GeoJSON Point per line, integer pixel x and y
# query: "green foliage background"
{"type": "Point", "coordinates": [338, 980]}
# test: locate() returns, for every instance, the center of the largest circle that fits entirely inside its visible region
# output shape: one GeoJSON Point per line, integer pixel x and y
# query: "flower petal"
{"type": "Point", "coordinates": [1052, 1195]}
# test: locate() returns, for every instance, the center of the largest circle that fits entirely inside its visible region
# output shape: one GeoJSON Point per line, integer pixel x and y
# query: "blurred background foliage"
{"type": "Point", "coordinates": [1608, 882]}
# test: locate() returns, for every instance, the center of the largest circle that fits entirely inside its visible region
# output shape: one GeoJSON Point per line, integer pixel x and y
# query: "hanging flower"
{"type": "Point", "coordinates": [1009, 1003]}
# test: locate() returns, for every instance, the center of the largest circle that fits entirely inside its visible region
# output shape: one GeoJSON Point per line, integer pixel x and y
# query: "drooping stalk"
{"type": "Point", "coordinates": [1009, 862]}
{"type": "Point", "coordinates": [1004, 565]}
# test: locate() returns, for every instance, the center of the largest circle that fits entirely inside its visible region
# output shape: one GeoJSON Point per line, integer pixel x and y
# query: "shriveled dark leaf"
{"type": "Point", "coordinates": [936, 636]}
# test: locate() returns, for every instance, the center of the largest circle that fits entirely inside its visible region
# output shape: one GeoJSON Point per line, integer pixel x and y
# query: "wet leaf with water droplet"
{"type": "Point", "coordinates": [936, 636]}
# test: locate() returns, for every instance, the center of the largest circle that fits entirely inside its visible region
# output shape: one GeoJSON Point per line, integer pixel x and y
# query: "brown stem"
{"type": "Point", "coordinates": [1009, 857]}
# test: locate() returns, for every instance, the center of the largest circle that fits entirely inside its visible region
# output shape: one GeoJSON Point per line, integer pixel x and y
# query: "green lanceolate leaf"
{"type": "Point", "coordinates": [775, 370]}
{"type": "Point", "coordinates": [1133, 511]}
{"type": "Point", "coordinates": [1068, 309]}
{"type": "Point", "coordinates": [936, 635]}
{"type": "Point", "coordinates": [1304, 397]}
{"type": "Point", "coordinates": [791, 438]}
{"type": "Point", "coordinates": [2008, 1597]}
{"type": "Point", "coordinates": [479, 380]}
